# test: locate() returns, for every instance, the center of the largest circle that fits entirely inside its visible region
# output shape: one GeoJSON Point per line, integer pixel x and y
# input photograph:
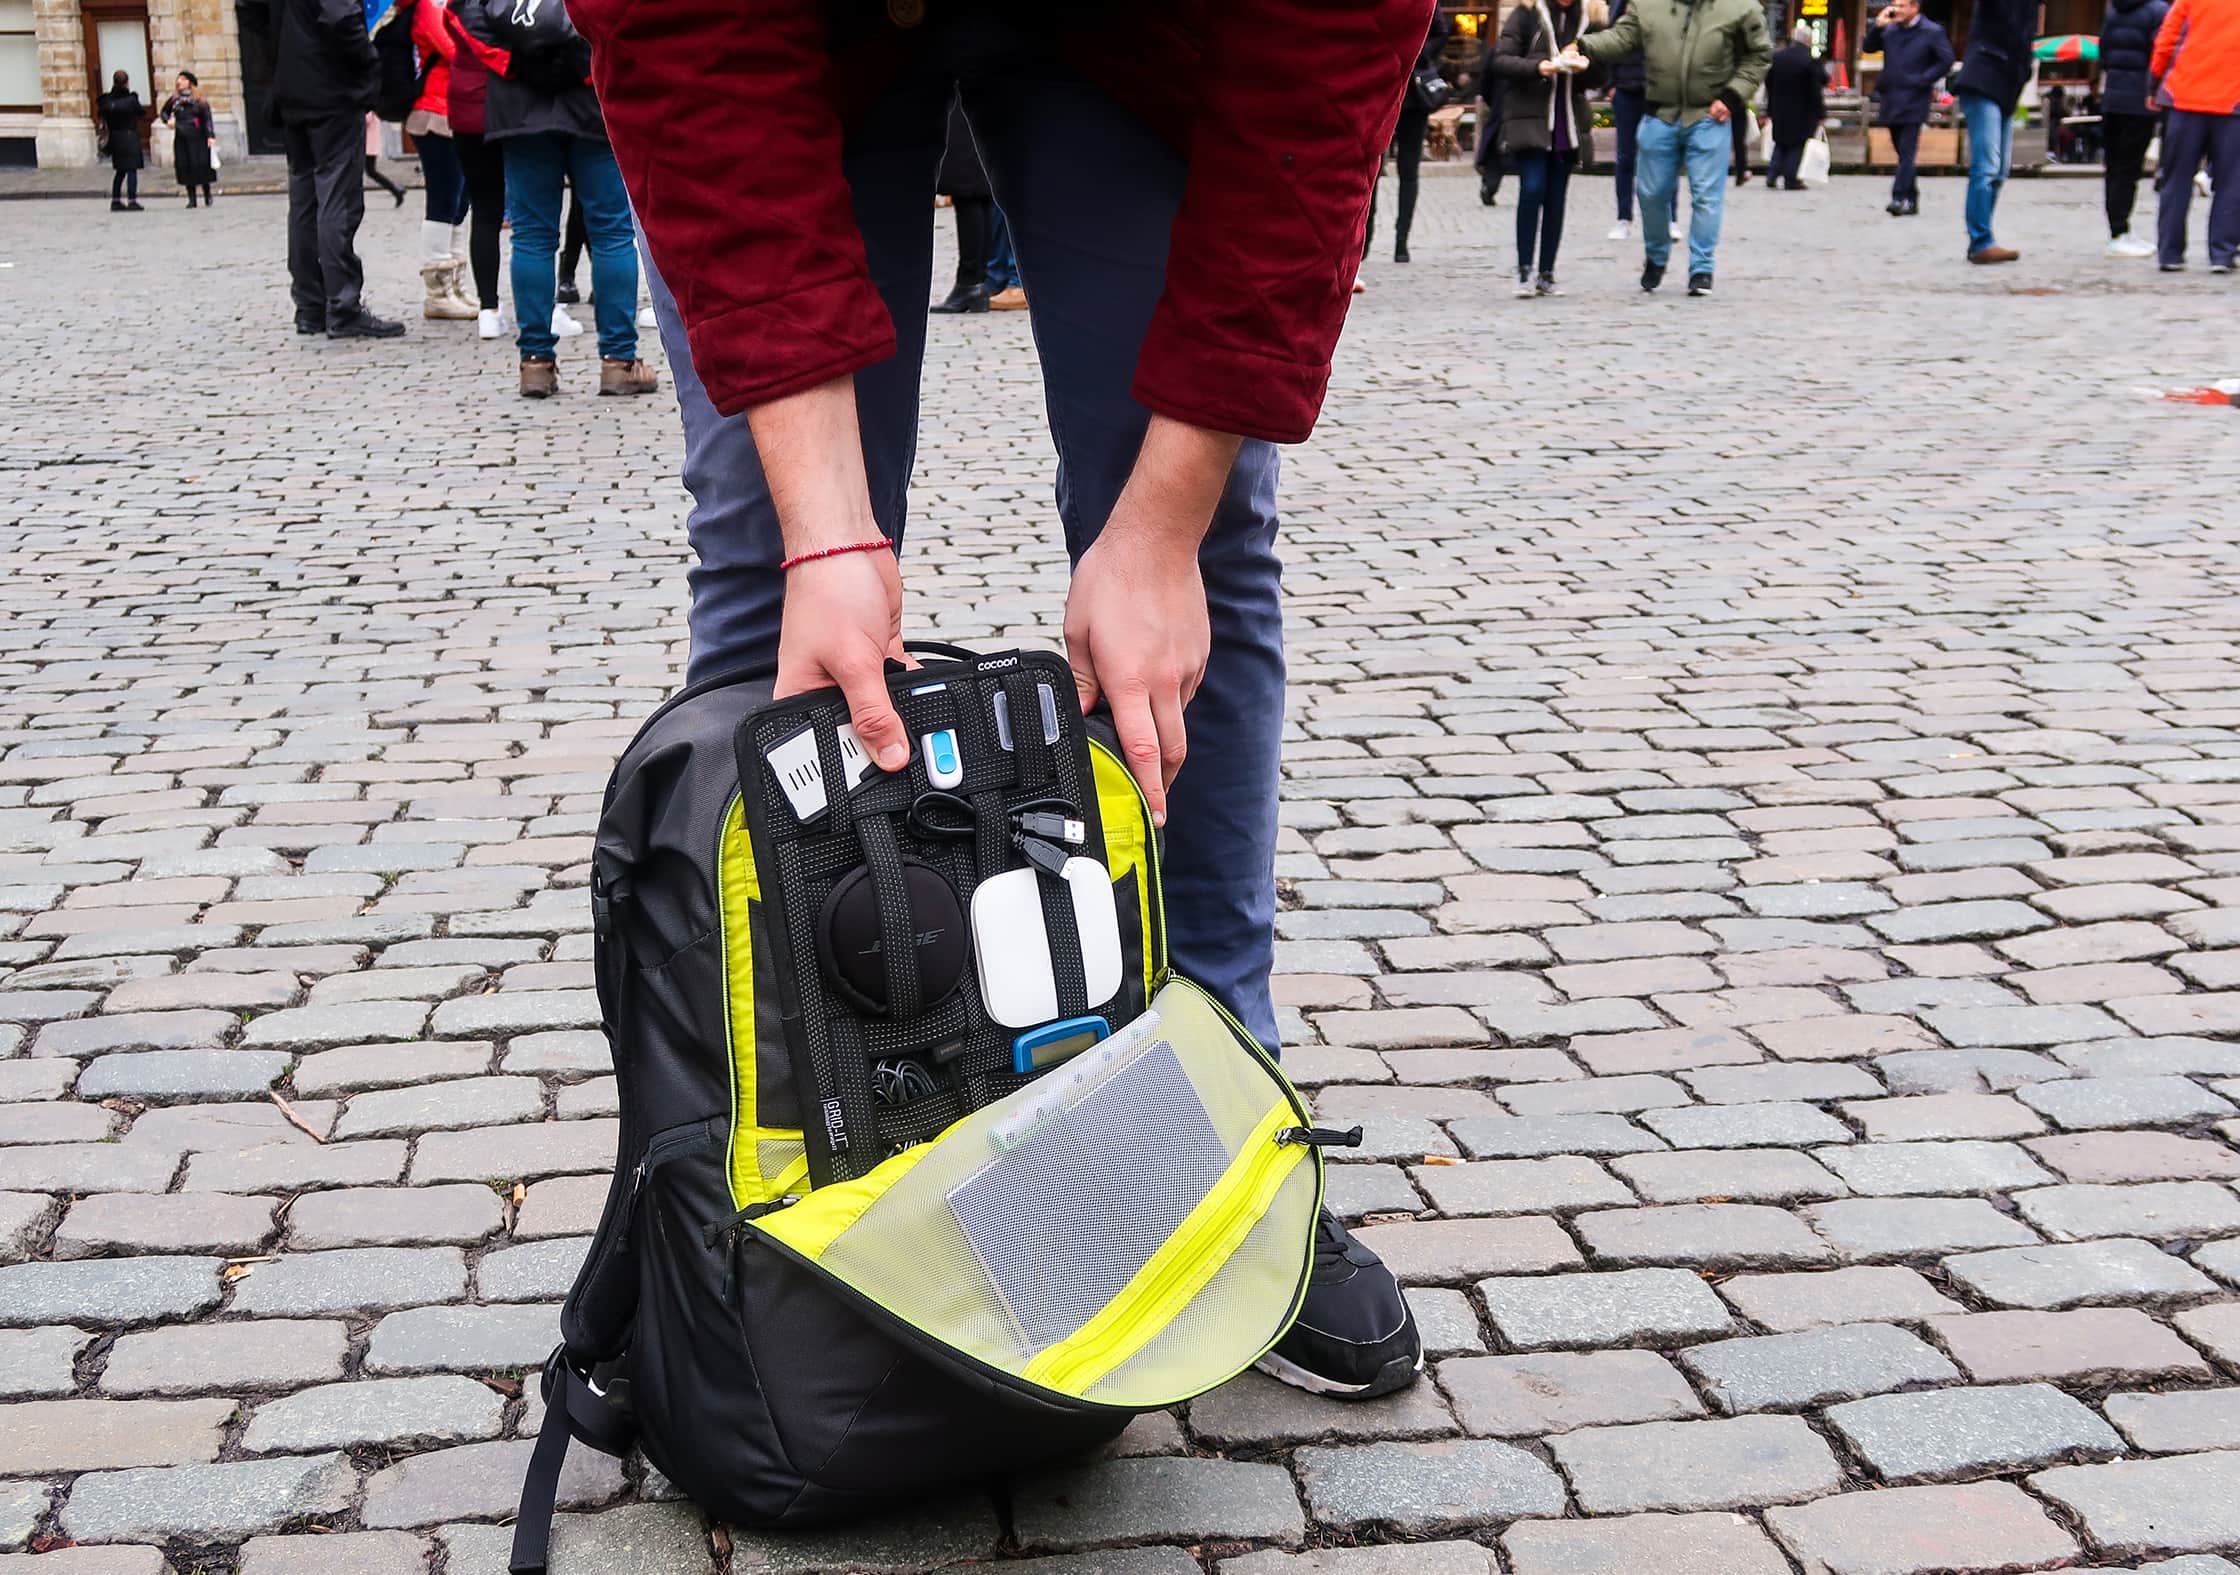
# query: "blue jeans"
{"type": "Point", "coordinates": [446, 179]}
{"type": "Point", "coordinates": [1003, 261]}
{"type": "Point", "coordinates": [1094, 254]}
{"type": "Point", "coordinates": [1705, 148]}
{"type": "Point", "coordinates": [538, 168]}
{"type": "Point", "coordinates": [1543, 180]}
{"type": "Point", "coordinates": [1990, 151]}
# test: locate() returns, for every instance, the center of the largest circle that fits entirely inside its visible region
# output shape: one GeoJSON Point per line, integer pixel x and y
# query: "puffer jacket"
{"type": "Point", "coordinates": [2126, 53]}
{"type": "Point", "coordinates": [1693, 51]}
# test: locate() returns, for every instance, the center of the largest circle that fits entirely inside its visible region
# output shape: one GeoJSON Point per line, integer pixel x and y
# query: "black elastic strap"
{"type": "Point", "coordinates": [572, 1411]}
{"type": "Point", "coordinates": [1064, 932]}
{"type": "Point", "coordinates": [898, 924]}
{"type": "Point", "coordinates": [1028, 751]}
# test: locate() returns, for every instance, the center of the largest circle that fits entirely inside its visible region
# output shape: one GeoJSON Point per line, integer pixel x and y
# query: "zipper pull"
{"type": "Point", "coordinates": [716, 1230]}
{"type": "Point", "coordinates": [1321, 1137]}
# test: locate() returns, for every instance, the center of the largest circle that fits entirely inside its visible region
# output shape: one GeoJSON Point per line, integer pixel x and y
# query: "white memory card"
{"type": "Point", "coordinates": [802, 776]}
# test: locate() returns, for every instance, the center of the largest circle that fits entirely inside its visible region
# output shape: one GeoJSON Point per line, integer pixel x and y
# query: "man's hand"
{"type": "Point", "coordinates": [1135, 629]}
{"type": "Point", "coordinates": [843, 614]}
{"type": "Point", "coordinates": [1719, 111]}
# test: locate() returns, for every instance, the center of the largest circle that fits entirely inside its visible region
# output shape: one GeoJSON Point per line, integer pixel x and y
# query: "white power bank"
{"type": "Point", "coordinates": [1017, 980]}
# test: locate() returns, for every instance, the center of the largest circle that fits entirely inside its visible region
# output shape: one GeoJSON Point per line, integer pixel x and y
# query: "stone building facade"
{"type": "Point", "coordinates": [78, 43]}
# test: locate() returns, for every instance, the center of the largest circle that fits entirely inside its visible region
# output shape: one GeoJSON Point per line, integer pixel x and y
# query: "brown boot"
{"type": "Point", "coordinates": [1011, 300]}
{"type": "Point", "coordinates": [626, 377]}
{"type": "Point", "coordinates": [540, 379]}
{"type": "Point", "coordinates": [1994, 254]}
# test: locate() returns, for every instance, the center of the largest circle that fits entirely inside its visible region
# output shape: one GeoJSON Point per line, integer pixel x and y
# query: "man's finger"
{"type": "Point", "coordinates": [1084, 670]}
{"type": "Point", "coordinates": [1166, 714]}
{"type": "Point", "coordinates": [872, 713]}
{"type": "Point", "coordinates": [1139, 747]}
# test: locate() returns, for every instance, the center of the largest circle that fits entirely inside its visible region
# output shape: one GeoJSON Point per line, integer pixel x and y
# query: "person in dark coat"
{"type": "Point", "coordinates": [324, 80]}
{"type": "Point", "coordinates": [1408, 135]}
{"type": "Point", "coordinates": [973, 200]}
{"type": "Point", "coordinates": [1796, 102]}
{"type": "Point", "coordinates": [1547, 125]}
{"type": "Point", "coordinates": [120, 129]}
{"type": "Point", "coordinates": [1916, 58]}
{"type": "Point", "coordinates": [1629, 101]}
{"type": "Point", "coordinates": [1488, 161]}
{"type": "Point", "coordinates": [193, 129]}
{"type": "Point", "coordinates": [1990, 83]}
{"type": "Point", "coordinates": [542, 114]}
{"type": "Point", "coordinates": [2127, 113]}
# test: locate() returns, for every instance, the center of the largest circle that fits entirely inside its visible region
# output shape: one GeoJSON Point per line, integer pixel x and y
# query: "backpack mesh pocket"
{"type": "Point", "coordinates": [1132, 1230]}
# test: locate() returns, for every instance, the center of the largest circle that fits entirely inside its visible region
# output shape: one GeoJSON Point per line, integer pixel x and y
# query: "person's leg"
{"type": "Point", "coordinates": [485, 170]}
{"type": "Point", "coordinates": [1414, 124]}
{"type": "Point", "coordinates": [446, 180]}
{"type": "Point", "coordinates": [572, 241]}
{"type": "Point", "coordinates": [1551, 212]}
{"type": "Point", "coordinates": [614, 251]}
{"type": "Point", "coordinates": [1625, 112]}
{"type": "Point", "coordinates": [1532, 192]}
{"type": "Point", "coordinates": [1003, 262]}
{"type": "Point", "coordinates": [1738, 127]}
{"type": "Point", "coordinates": [2224, 202]}
{"type": "Point", "coordinates": [1039, 126]}
{"type": "Point", "coordinates": [304, 284]}
{"type": "Point", "coordinates": [2185, 143]}
{"type": "Point", "coordinates": [1657, 181]}
{"type": "Point", "coordinates": [1707, 145]}
{"type": "Point", "coordinates": [536, 170]}
{"type": "Point", "coordinates": [131, 186]}
{"type": "Point", "coordinates": [1986, 140]}
{"type": "Point", "coordinates": [975, 222]}
{"type": "Point", "coordinates": [338, 143]}
{"type": "Point", "coordinates": [2119, 183]}
{"type": "Point", "coordinates": [890, 163]}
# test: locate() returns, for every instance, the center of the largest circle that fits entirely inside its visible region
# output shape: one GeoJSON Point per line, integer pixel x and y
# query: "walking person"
{"type": "Point", "coordinates": [1187, 297]}
{"type": "Point", "coordinates": [1695, 52]}
{"type": "Point", "coordinates": [443, 223]}
{"type": "Point", "coordinates": [1796, 103]}
{"type": "Point", "coordinates": [324, 81]}
{"type": "Point", "coordinates": [2197, 61]}
{"type": "Point", "coordinates": [1547, 125]}
{"type": "Point", "coordinates": [1916, 58]}
{"type": "Point", "coordinates": [2128, 116]}
{"type": "Point", "coordinates": [544, 116]}
{"type": "Point", "coordinates": [120, 111]}
{"type": "Point", "coordinates": [973, 202]}
{"type": "Point", "coordinates": [1629, 101]}
{"type": "Point", "coordinates": [1993, 73]}
{"type": "Point", "coordinates": [374, 171]}
{"type": "Point", "coordinates": [1425, 92]}
{"type": "Point", "coordinates": [193, 132]}
{"type": "Point", "coordinates": [481, 163]}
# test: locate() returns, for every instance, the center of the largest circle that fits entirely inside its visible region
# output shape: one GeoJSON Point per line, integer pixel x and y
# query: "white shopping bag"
{"type": "Point", "coordinates": [1812, 169]}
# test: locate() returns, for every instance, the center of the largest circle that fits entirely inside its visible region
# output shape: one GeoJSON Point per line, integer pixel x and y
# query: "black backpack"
{"type": "Point", "coordinates": [865, 1240]}
{"type": "Point", "coordinates": [403, 77]}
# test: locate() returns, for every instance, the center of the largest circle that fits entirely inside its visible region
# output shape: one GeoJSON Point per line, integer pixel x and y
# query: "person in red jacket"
{"type": "Point", "coordinates": [443, 237]}
{"type": "Point", "coordinates": [2197, 61]}
{"type": "Point", "coordinates": [1186, 183]}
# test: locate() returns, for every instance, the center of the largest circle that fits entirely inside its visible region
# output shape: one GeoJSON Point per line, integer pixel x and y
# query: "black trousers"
{"type": "Point", "coordinates": [1407, 144]}
{"type": "Point", "coordinates": [2124, 141]}
{"type": "Point", "coordinates": [1907, 141]}
{"type": "Point", "coordinates": [326, 201]}
{"type": "Point", "coordinates": [976, 230]}
{"type": "Point", "coordinates": [485, 165]}
{"type": "Point", "coordinates": [1788, 158]}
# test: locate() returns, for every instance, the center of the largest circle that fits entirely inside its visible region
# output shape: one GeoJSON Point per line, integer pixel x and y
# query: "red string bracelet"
{"type": "Point", "coordinates": [800, 558]}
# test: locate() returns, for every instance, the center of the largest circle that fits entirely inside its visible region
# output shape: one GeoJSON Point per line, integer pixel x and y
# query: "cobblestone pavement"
{"type": "Point", "coordinates": [1763, 863]}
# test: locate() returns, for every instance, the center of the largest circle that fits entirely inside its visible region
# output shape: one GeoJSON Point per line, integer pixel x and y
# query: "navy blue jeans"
{"type": "Point", "coordinates": [1093, 256]}
{"type": "Point", "coordinates": [1543, 180]}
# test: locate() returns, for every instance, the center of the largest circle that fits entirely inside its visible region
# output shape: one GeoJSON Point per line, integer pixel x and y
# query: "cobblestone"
{"type": "Point", "coordinates": [1970, 1432]}
{"type": "Point", "coordinates": [1688, 1466]}
{"type": "Point", "coordinates": [1740, 871]}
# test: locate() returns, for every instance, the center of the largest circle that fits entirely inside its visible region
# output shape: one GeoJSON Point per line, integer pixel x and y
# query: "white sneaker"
{"type": "Point", "coordinates": [2130, 246]}
{"type": "Point", "coordinates": [1526, 289]}
{"type": "Point", "coordinates": [2201, 183]}
{"type": "Point", "coordinates": [489, 325]}
{"type": "Point", "coordinates": [646, 319]}
{"type": "Point", "coordinates": [564, 326]}
{"type": "Point", "coordinates": [1622, 230]}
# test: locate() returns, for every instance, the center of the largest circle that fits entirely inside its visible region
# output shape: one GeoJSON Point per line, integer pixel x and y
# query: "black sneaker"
{"type": "Point", "coordinates": [566, 294]}
{"type": "Point", "coordinates": [363, 325]}
{"type": "Point", "coordinates": [1355, 1338]}
{"type": "Point", "coordinates": [1699, 284]}
{"type": "Point", "coordinates": [1652, 275]}
{"type": "Point", "coordinates": [311, 322]}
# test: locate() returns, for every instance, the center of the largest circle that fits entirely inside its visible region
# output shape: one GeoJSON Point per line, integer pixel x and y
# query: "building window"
{"type": "Point", "coordinates": [19, 56]}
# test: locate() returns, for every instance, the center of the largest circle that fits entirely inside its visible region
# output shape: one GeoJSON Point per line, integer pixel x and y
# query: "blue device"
{"type": "Point", "coordinates": [1039, 1049]}
{"type": "Point", "coordinates": [944, 765]}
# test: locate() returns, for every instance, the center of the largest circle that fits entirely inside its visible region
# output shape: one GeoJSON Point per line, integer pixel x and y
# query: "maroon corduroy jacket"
{"type": "Point", "coordinates": [728, 118]}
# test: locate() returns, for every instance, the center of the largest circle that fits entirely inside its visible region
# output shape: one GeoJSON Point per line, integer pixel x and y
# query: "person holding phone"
{"type": "Point", "coordinates": [1916, 58]}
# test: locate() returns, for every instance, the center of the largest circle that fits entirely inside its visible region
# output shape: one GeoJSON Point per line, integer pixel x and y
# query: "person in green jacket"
{"type": "Point", "coordinates": [1695, 51]}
